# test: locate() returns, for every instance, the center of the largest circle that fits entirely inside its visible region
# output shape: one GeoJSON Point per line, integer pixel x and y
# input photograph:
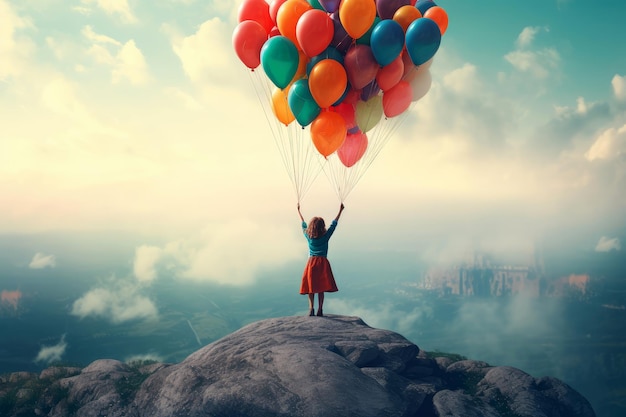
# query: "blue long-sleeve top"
{"type": "Point", "coordinates": [319, 246]}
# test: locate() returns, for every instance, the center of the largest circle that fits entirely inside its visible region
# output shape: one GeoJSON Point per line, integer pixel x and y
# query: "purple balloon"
{"type": "Point", "coordinates": [361, 66]}
{"type": "Point", "coordinates": [330, 5]}
{"type": "Point", "coordinates": [370, 90]}
{"type": "Point", "coordinates": [387, 8]}
{"type": "Point", "coordinates": [341, 40]}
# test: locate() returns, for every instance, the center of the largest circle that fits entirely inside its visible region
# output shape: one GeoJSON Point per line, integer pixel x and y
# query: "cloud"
{"type": "Point", "coordinates": [118, 8]}
{"type": "Point", "coordinates": [526, 37]}
{"type": "Point", "coordinates": [41, 261]}
{"type": "Point", "coordinates": [206, 56]}
{"type": "Point", "coordinates": [610, 144]}
{"type": "Point", "coordinates": [145, 357]}
{"type": "Point", "coordinates": [10, 298]}
{"type": "Point", "coordinates": [229, 253]}
{"type": "Point", "coordinates": [619, 87]}
{"type": "Point", "coordinates": [15, 49]}
{"type": "Point", "coordinates": [606, 244]}
{"type": "Point", "coordinates": [126, 60]}
{"type": "Point", "coordinates": [120, 303]}
{"type": "Point", "coordinates": [144, 265]}
{"type": "Point", "coordinates": [538, 63]}
{"type": "Point", "coordinates": [52, 353]}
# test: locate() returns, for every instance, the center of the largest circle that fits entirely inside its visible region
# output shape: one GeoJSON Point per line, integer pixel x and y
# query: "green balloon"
{"type": "Point", "coordinates": [368, 113]}
{"type": "Point", "coordinates": [280, 58]}
{"type": "Point", "coordinates": [365, 39]}
{"type": "Point", "coordinates": [301, 102]}
{"type": "Point", "coordinates": [315, 4]}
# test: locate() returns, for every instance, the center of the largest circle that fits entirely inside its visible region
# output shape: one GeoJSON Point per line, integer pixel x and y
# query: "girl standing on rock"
{"type": "Point", "coordinates": [318, 276]}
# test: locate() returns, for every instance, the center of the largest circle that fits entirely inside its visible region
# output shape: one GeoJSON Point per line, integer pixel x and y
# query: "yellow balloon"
{"type": "Point", "coordinates": [280, 106]}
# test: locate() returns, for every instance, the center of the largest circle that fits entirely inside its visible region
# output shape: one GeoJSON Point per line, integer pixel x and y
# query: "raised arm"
{"type": "Point", "coordinates": [341, 207]}
{"type": "Point", "coordinates": [300, 213]}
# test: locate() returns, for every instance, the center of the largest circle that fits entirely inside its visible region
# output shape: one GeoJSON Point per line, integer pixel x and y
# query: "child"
{"type": "Point", "coordinates": [318, 276]}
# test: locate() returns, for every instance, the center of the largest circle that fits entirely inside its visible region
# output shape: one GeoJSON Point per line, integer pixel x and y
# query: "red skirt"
{"type": "Point", "coordinates": [318, 276]}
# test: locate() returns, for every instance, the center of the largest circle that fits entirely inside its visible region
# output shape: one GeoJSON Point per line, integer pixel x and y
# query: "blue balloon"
{"type": "Point", "coordinates": [423, 38]}
{"type": "Point", "coordinates": [301, 103]}
{"type": "Point", "coordinates": [329, 53]}
{"type": "Point", "coordinates": [387, 41]}
{"type": "Point", "coordinates": [423, 5]}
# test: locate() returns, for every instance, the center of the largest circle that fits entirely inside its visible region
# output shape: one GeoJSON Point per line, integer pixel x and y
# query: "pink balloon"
{"type": "Point", "coordinates": [273, 10]}
{"type": "Point", "coordinates": [361, 66]}
{"type": "Point", "coordinates": [397, 99]}
{"type": "Point", "coordinates": [314, 31]}
{"type": "Point", "coordinates": [352, 149]}
{"type": "Point", "coordinates": [248, 39]}
{"type": "Point", "coordinates": [389, 75]}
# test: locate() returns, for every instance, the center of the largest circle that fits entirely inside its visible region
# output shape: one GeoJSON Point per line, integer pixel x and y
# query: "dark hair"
{"type": "Point", "coordinates": [316, 228]}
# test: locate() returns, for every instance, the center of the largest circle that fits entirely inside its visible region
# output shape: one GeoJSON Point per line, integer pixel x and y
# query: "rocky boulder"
{"type": "Point", "coordinates": [313, 366]}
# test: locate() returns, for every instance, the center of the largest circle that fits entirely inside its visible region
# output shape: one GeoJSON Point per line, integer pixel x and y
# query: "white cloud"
{"type": "Point", "coordinates": [226, 253]}
{"type": "Point", "coordinates": [538, 63]}
{"type": "Point", "coordinates": [126, 60]}
{"type": "Point", "coordinates": [119, 303]}
{"type": "Point", "coordinates": [207, 55]}
{"type": "Point", "coordinates": [52, 353]}
{"type": "Point", "coordinates": [41, 261]}
{"type": "Point", "coordinates": [526, 37]}
{"type": "Point", "coordinates": [15, 49]}
{"type": "Point", "coordinates": [144, 266]}
{"type": "Point", "coordinates": [130, 65]}
{"type": "Point", "coordinates": [94, 37]}
{"type": "Point", "coordinates": [608, 145]}
{"type": "Point", "coordinates": [118, 8]}
{"type": "Point", "coordinates": [619, 87]}
{"type": "Point", "coordinates": [607, 244]}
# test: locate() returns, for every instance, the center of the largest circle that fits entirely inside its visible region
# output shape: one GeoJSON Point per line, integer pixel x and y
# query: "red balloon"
{"type": "Point", "coordinates": [314, 32]}
{"type": "Point", "coordinates": [361, 66]}
{"type": "Point", "coordinates": [346, 110]}
{"type": "Point", "coordinates": [389, 75]}
{"type": "Point", "coordinates": [397, 99]}
{"type": "Point", "coordinates": [248, 39]}
{"type": "Point", "coordinates": [274, 6]}
{"type": "Point", "coordinates": [352, 149]}
{"type": "Point", "coordinates": [257, 10]}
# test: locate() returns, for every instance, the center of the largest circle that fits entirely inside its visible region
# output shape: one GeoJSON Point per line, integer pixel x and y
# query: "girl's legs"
{"type": "Point", "coordinates": [311, 299]}
{"type": "Point", "coordinates": [320, 303]}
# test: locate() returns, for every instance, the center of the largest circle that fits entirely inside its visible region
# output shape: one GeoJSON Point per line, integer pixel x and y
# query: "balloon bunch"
{"type": "Point", "coordinates": [339, 66]}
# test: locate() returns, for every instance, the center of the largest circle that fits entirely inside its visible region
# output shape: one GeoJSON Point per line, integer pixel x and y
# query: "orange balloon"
{"type": "Point", "coordinates": [303, 60]}
{"type": "Point", "coordinates": [280, 106]}
{"type": "Point", "coordinates": [328, 131]}
{"type": "Point", "coordinates": [357, 16]}
{"type": "Point", "coordinates": [439, 16]}
{"type": "Point", "coordinates": [327, 81]}
{"type": "Point", "coordinates": [405, 15]}
{"type": "Point", "coordinates": [287, 18]}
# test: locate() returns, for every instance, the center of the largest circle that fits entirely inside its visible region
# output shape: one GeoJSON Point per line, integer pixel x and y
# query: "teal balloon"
{"type": "Point", "coordinates": [366, 38]}
{"type": "Point", "coordinates": [423, 38]}
{"type": "Point", "coordinates": [387, 41]}
{"type": "Point", "coordinates": [329, 53]}
{"type": "Point", "coordinates": [302, 103]}
{"type": "Point", "coordinates": [280, 59]}
{"type": "Point", "coordinates": [315, 4]}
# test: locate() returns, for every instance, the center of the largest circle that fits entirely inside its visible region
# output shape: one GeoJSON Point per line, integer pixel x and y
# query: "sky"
{"type": "Point", "coordinates": [137, 118]}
